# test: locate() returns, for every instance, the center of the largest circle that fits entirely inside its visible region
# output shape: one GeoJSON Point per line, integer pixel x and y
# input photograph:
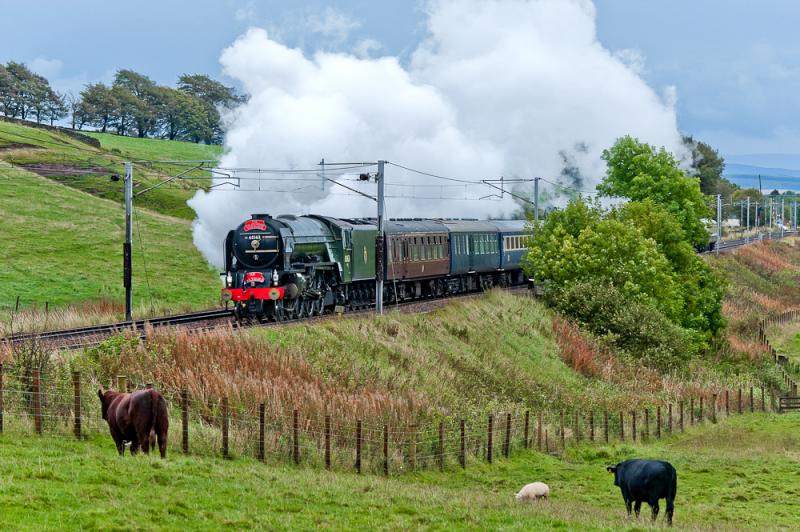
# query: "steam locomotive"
{"type": "Point", "coordinates": [290, 267]}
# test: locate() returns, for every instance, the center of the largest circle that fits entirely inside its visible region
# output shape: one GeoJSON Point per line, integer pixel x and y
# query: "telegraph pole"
{"type": "Point", "coordinates": [782, 222]}
{"type": "Point", "coordinates": [719, 223]}
{"type": "Point", "coordinates": [379, 244]}
{"type": "Point", "coordinates": [536, 200]}
{"type": "Point", "coordinates": [747, 234]}
{"type": "Point", "coordinates": [127, 269]}
{"type": "Point", "coordinates": [322, 164]}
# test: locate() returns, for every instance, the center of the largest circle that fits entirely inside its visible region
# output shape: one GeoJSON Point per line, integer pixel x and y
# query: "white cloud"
{"type": "Point", "coordinates": [333, 24]}
{"type": "Point", "coordinates": [633, 59]}
{"type": "Point", "coordinates": [367, 48]}
{"type": "Point", "coordinates": [246, 13]}
{"type": "Point", "coordinates": [511, 87]}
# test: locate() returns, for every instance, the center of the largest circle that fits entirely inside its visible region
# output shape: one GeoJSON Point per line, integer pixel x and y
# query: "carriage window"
{"type": "Point", "coordinates": [414, 250]}
{"type": "Point", "coordinates": [427, 248]}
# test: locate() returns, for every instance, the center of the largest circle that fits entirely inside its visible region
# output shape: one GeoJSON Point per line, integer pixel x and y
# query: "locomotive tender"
{"type": "Point", "coordinates": [296, 266]}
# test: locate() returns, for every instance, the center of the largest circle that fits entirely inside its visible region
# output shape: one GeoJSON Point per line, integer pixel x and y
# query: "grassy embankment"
{"type": "Point", "coordinates": [62, 244]}
{"type": "Point", "coordinates": [739, 474]}
{"type": "Point", "coordinates": [87, 168]}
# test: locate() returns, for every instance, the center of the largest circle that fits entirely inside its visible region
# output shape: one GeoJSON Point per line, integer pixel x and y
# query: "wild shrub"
{"type": "Point", "coordinates": [636, 329]}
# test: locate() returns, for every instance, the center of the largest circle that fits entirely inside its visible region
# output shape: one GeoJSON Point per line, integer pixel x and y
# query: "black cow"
{"type": "Point", "coordinates": [646, 481]}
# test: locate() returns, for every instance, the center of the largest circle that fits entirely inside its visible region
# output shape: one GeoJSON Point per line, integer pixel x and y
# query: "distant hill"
{"type": "Point", "coordinates": [772, 177]}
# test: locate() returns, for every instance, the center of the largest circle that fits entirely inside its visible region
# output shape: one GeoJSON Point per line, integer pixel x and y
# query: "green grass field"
{"type": "Point", "coordinates": [739, 474]}
{"type": "Point", "coordinates": [87, 168]}
{"type": "Point", "coordinates": [61, 233]}
{"type": "Point", "coordinates": [63, 246]}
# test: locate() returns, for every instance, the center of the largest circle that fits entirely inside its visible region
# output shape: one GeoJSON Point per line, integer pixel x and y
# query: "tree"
{"type": "Point", "coordinates": [214, 96]}
{"type": "Point", "coordinates": [578, 244]}
{"type": "Point", "coordinates": [98, 106]}
{"type": "Point", "coordinates": [140, 101]}
{"type": "Point", "coordinates": [7, 88]}
{"type": "Point", "coordinates": [639, 171]}
{"type": "Point", "coordinates": [180, 115]}
{"type": "Point", "coordinates": [22, 95]}
{"type": "Point", "coordinates": [708, 165]}
{"type": "Point", "coordinates": [125, 111]}
{"type": "Point", "coordinates": [701, 290]}
{"type": "Point", "coordinates": [56, 107]}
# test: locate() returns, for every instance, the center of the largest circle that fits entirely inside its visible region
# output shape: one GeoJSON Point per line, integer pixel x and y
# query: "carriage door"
{"type": "Point", "coordinates": [347, 255]}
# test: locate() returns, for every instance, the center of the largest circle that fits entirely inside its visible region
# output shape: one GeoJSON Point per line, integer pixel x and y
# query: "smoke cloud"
{"type": "Point", "coordinates": [509, 88]}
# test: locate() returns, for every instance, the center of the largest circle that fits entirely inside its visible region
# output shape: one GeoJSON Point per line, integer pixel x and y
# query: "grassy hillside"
{"type": "Point", "coordinates": [734, 475]}
{"type": "Point", "coordinates": [155, 149]}
{"type": "Point", "coordinates": [87, 168]}
{"type": "Point", "coordinates": [62, 246]}
{"type": "Point", "coordinates": [763, 278]}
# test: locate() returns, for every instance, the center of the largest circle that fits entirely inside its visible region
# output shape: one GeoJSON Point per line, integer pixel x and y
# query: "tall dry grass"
{"type": "Point", "coordinates": [248, 371]}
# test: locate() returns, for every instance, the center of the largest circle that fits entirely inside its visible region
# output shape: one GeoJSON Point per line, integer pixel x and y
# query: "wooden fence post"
{"type": "Point", "coordinates": [489, 439]}
{"type": "Point", "coordinates": [262, 429]}
{"type": "Point", "coordinates": [328, 442]}
{"type": "Point", "coordinates": [37, 402]}
{"type": "Point", "coordinates": [740, 400]}
{"type": "Point", "coordinates": [76, 385]}
{"type": "Point", "coordinates": [295, 437]}
{"type": "Point", "coordinates": [527, 416]}
{"type": "Point", "coordinates": [462, 451]}
{"type": "Point", "coordinates": [386, 450]}
{"type": "Point", "coordinates": [669, 418]}
{"type": "Point", "coordinates": [605, 425]}
{"type": "Point", "coordinates": [621, 426]}
{"type": "Point", "coordinates": [546, 442]}
{"type": "Point", "coordinates": [225, 419]}
{"type": "Point", "coordinates": [701, 418]}
{"type": "Point", "coordinates": [714, 408]}
{"type": "Point", "coordinates": [646, 424]}
{"type": "Point", "coordinates": [2, 405]}
{"type": "Point", "coordinates": [562, 431]}
{"type": "Point", "coordinates": [591, 426]}
{"type": "Point", "coordinates": [763, 405]}
{"type": "Point", "coordinates": [122, 383]}
{"type": "Point", "coordinates": [727, 404]}
{"type": "Point", "coordinates": [507, 441]}
{"type": "Point", "coordinates": [577, 427]}
{"type": "Point", "coordinates": [658, 422]}
{"type": "Point", "coordinates": [539, 431]}
{"type": "Point", "coordinates": [441, 446]}
{"type": "Point", "coordinates": [680, 406]}
{"type": "Point", "coordinates": [185, 421]}
{"type": "Point", "coordinates": [413, 451]}
{"type": "Point", "coordinates": [691, 411]}
{"type": "Point", "coordinates": [358, 446]}
{"type": "Point", "coordinates": [752, 408]}
{"type": "Point", "coordinates": [633, 424]}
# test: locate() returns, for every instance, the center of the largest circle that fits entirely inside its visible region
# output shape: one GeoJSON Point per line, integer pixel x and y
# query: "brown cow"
{"type": "Point", "coordinates": [137, 418]}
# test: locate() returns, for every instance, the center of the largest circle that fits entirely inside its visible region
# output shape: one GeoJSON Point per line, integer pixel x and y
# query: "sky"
{"type": "Point", "coordinates": [731, 66]}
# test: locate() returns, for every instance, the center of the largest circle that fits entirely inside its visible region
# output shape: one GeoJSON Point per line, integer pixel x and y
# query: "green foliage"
{"type": "Point", "coordinates": [700, 288]}
{"type": "Point", "coordinates": [708, 165]}
{"type": "Point", "coordinates": [24, 94]}
{"type": "Point", "coordinates": [638, 330]}
{"type": "Point", "coordinates": [579, 244]}
{"type": "Point", "coordinates": [640, 253]}
{"type": "Point", "coordinates": [638, 171]}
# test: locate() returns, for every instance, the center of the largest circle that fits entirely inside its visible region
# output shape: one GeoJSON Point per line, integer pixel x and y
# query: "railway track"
{"type": "Point", "coordinates": [728, 245]}
{"type": "Point", "coordinates": [208, 319]}
{"type": "Point", "coordinates": [94, 334]}
{"type": "Point", "coordinates": [88, 336]}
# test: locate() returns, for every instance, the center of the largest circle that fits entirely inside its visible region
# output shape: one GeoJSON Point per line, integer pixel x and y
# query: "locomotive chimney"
{"type": "Point", "coordinates": [259, 216]}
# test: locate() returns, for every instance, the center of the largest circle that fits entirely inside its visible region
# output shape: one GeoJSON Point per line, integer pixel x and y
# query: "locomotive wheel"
{"type": "Point", "coordinates": [317, 307]}
{"type": "Point", "coordinates": [303, 308]}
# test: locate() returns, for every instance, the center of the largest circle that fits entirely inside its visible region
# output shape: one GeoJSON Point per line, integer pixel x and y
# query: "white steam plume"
{"type": "Point", "coordinates": [510, 87]}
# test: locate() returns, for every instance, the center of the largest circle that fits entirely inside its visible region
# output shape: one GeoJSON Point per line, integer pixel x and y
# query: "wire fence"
{"type": "Point", "coordinates": [65, 404]}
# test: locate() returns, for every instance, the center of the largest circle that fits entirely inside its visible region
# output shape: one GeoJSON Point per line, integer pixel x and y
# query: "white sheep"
{"type": "Point", "coordinates": [534, 491]}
